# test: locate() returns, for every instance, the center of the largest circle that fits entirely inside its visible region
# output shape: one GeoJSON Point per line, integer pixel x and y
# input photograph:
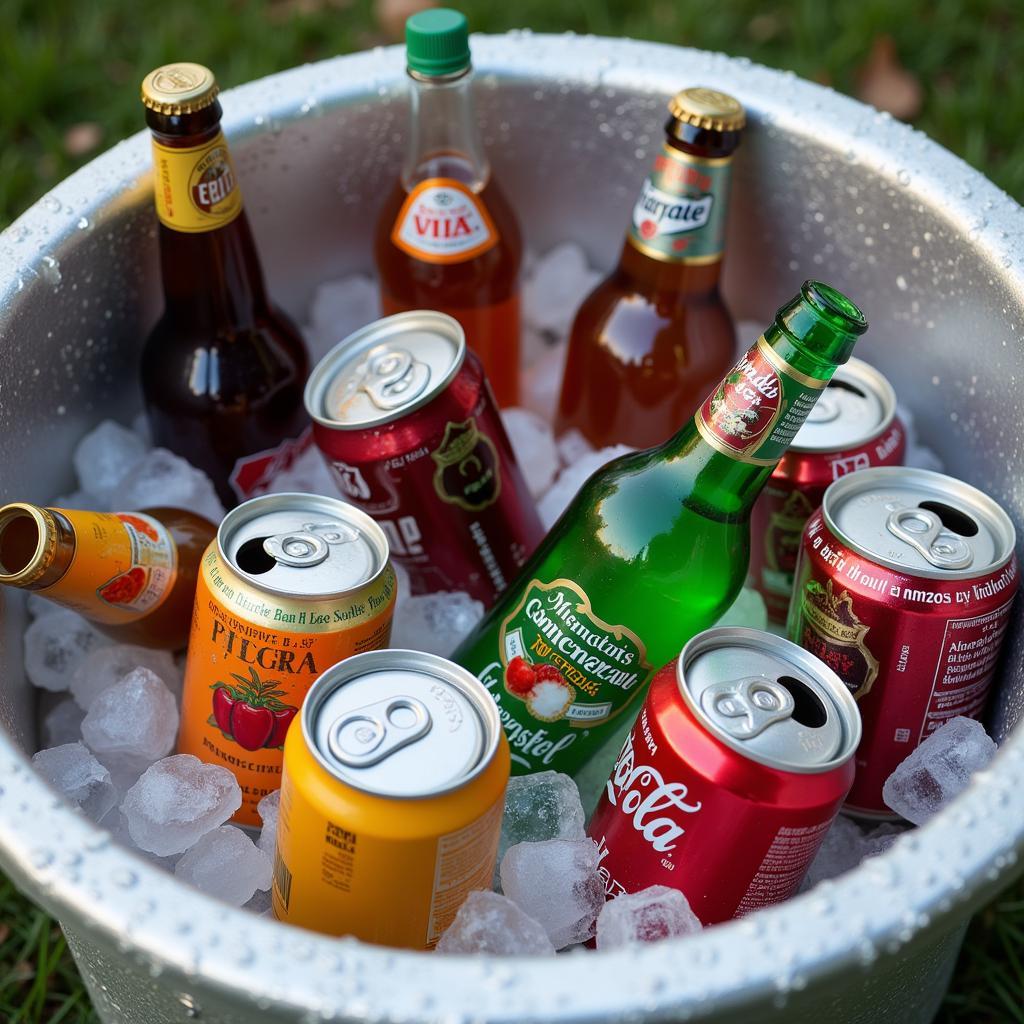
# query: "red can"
{"type": "Point", "coordinates": [736, 767]}
{"type": "Point", "coordinates": [853, 426]}
{"type": "Point", "coordinates": [904, 587]}
{"type": "Point", "coordinates": [406, 420]}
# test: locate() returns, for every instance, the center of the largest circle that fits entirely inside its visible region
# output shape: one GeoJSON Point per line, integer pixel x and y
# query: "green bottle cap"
{"type": "Point", "coordinates": [437, 42]}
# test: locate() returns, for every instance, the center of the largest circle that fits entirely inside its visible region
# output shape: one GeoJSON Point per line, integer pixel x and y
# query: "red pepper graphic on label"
{"type": "Point", "coordinates": [250, 713]}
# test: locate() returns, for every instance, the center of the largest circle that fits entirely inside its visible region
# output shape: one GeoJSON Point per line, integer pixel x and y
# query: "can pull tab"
{"type": "Point", "coordinates": [308, 546]}
{"type": "Point", "coordinates": [392, 377]}
{"type": "Point", "coordinates": [745, 707]}
{"type": "Point", "coordinates": [365, 736]}
{"type": "Point", "coordinates": [924, 532]}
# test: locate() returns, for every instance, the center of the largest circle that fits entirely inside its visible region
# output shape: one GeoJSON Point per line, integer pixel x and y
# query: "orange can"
{"type": "Point", "coordinates": [392, 799]}
{"type": "Point", "coordinates": [291, 584]}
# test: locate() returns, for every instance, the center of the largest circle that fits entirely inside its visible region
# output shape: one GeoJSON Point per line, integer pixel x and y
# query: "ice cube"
{"type": "Point", "coordinates": [107, 665]}
{"type": "Point", "coordinates": [572, 445]}
{"type": "Point", "coordinates": [571, 479]}
{"type": "Point", "coordinates": [556, 883]}
{"type": "Point", "coordinates": [105, 456]}
{"type": "Point", "coordinates": [435, 622]}
{"type": "Point", "coordinates": [655, 913]}
{"type": "Point", "coordinates": [541, 382]}
{"type": "Point", "coordinates": [493, 924]}
{"type": "Point", "coordinates": [39, 606]}
{"type": "Point", "coordinates": [178, 800]}
{"type": "Point", "coordinates": [82, 500]}
{"type": "Point", "coordinates": [880, 839]}
{"type": "Point", "coordinates": [79, 777]}
{"type": "Point", "coordinates": [226, 864]}
{"type": "Point", "coordinates": [142, 429]}
{"type": "Point", "coordinates": [545, 805]}
{"type": "Point", "coordinates": [938, 770]}
{"type": "Point", "coordinates": [747, 610]}
{"type": "Point", "coordinates": [54, 646]}
{"type": "Point", "coordinates": [269, 809]}
{"type": "Point", "coordinates": [136, 717]}
{"type": "Point", "coordinates": [261, 903]}
{"type": "Point", "coordinates": [534, 447]}
{"type": "Point", "coordinates": [559, 282]}
{"type": "Point", "coordinates": [840, 851]}
{"type": "Point", "coordinates": [163, 479]}
{"type": "Point", "coordinates": [338, 309]}
{"type": "Point", "coordinates": [63, 723]}
{"type": "Point", "coordinates": [117, 824]}
{"type": "Point", "coordinates": [308, 474]}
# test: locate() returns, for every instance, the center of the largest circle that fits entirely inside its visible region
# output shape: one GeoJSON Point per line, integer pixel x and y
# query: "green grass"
{"type": "Point", "coordinates": [63, 63]}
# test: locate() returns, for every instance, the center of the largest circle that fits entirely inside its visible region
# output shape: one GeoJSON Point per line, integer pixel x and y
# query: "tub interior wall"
{"type": "Point", "coordinates": [944, 325]}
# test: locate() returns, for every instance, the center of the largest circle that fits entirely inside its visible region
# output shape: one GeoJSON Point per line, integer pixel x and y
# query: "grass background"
{"type": "Point", "coordinates": [69, 75]}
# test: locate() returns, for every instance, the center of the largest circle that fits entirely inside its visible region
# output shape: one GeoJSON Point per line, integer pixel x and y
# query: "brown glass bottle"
{"type": "Point", "coordinates": [447, 239]}
{"type": "Point", "coordinates": [654, 336]}
{"type": "Point", "coordinates": [131, 573]}
{"type": "Point", "coordinates": [223, 370]}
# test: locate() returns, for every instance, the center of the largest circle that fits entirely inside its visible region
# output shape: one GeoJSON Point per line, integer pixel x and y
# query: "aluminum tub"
{"type": "Point", "coordinates": [825, 187]}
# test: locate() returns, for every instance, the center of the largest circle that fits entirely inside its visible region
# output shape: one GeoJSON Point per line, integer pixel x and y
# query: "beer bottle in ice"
{"type": "Point", "coordinates": [131, 573]}
{"type": "Point", "coordinates": [654, 336]}
{"type": "Point", "coordinates": [447, 239]}
{"type": "Point", "coordinates": [223, 370]}
{"type": "Point", "coordinates": [653, 548]}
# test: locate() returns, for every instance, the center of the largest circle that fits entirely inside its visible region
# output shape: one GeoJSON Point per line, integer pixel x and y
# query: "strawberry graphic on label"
{"type": "Point", "coordinates": [520, 677]}
{"type": "Point", "coordinates": [543, 687]}
{"type": "Point", "coordinates": [250, 713]}
{"type": "Point", "coordinates": [124, 589]}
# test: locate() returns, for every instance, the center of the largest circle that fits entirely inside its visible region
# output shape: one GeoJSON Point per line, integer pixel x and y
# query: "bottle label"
{"type": "Point", "coordinates": [755, 412]}
{"type": "Point", "coordinates": [442, 221]}
{"type": "Point", "coordinates": [562, 666]}
{"type": "Point", "coordinates": [679, 216]}
{"type": "Point", "coordinates": [253, 474]}
{"type": "Point", "coordinates": [124, 566]}
{"type": "Point", "coordinates": [468, 470]}
{"type": "Point", "coordinates": [196, 189]}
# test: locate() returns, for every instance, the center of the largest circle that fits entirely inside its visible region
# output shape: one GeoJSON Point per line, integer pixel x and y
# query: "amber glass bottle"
{"type": "Point", "coordinates": [654, 336]}
{"type": "Point", "coordinates": [223, 370]}
{"type": "Point", "coordinates": [132, 573]}
{"type": "Point", "coordinates": [447, 239]}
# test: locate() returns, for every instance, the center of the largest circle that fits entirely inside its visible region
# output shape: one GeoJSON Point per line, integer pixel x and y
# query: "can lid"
{"type": "Point", "coordinates": [768, 699]}
{"type": "Point", "coordinates": [708, 108]}
{"type": "Point", "coordinates": [856, 406]}
{"type": "Point", "coordinates": [385, 370]}
{"type": "Point", "coordinates": [302, 545]}
{"type": "Point", "coordinates": [918, 522]}
{"type": "Point", "coordinates": [400, 723]}
{"type": "Point", "coordinates": [180, 88]}
{"type": "Point", "coordinates": [437, 42]}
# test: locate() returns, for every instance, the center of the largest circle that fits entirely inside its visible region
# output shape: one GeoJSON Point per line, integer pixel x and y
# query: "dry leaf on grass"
{"type": "Point", "coordinates": [82, 138]}
{"type": "Point", "coordinates": [390, 15]}
{"type": "Point", "coordinates": [885, 83]}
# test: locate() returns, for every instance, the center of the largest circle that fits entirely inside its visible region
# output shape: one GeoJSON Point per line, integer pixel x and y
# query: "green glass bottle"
{"type": "Point", "coordinates": [652, 550]}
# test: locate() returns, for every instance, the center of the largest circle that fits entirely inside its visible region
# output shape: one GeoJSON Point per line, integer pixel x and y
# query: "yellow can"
{"type": "Point", "coordinates": [391, 800]}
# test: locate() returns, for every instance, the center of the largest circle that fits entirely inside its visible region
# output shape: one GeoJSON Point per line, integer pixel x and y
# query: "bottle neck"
{"type": "Point", "coordinates": [444, 140]}
{"type": "Point", "coordinates": [37, 546]}
{"type": "Point", "coordinates": [211, 272]}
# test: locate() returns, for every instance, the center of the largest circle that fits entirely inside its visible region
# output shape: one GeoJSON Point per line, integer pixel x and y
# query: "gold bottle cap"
{"type": "Point", "coordinates": [708, 108]}
{"type": "Point", "coordinates": [29, 565]}
{"type": "Point", "coordinates": [179, 88]}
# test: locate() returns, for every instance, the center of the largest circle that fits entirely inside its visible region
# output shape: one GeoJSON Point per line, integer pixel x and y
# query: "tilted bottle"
{"type": "Point", "coordinates": [131, 573]}
{"type": "Point", "coordinates": [653, 548]}
{"type": "Point", "coordinates": [651, 339]}
{"type": "Point", "coordinates": [447, 238]}
{"type": "Point", "coordinates": [223, 369]}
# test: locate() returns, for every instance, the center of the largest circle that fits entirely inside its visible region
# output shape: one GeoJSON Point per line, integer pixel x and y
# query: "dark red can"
{"type": "Point", "coordinates": [904, 587]}
{"type": "Point", "coordinates": [853, 426]}
{"type": "Point", "coordinates": [736, 767]}
{"type": "Point", "coordinates": [406, 420]}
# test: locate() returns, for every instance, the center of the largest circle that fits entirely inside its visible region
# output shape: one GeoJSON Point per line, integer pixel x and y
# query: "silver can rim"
{"type": "Point", "coordinates": [365, 338]}
{"type": "Point", "coordinates": [850, 486]}
{"type": "Point", "coordinates": [358, 665]}
{"type": "Point", "coordinates": [245, 512]}
{"type": "Point", "coordinates": [756, 639]}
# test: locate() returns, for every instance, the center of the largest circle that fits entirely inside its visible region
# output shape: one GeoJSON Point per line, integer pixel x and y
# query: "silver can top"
{"type": "Point", "coordinates": [768, 699]}
{"type": "Point", "coordinates": [385, 370]}
{"type": "Point", "coordinates": [302, 545]}
{"type": "Point", "coordinates": [857, 405]}
{"type": "Point", "coordinates": [401, 723]}
{"type": "Point", "coordinates": [918, 522]}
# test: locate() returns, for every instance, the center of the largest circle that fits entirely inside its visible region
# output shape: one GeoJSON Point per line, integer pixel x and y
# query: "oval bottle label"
{"type": "Point", "coordinates": [442, 221]}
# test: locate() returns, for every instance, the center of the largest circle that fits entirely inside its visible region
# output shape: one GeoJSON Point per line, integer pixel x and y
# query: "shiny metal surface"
{"type": "Point", "coordinates": [877, 513]}
{"type": "Point", "coordinates": [741, 685]}
{"type": "Point", "coordinates": [823, 186]}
